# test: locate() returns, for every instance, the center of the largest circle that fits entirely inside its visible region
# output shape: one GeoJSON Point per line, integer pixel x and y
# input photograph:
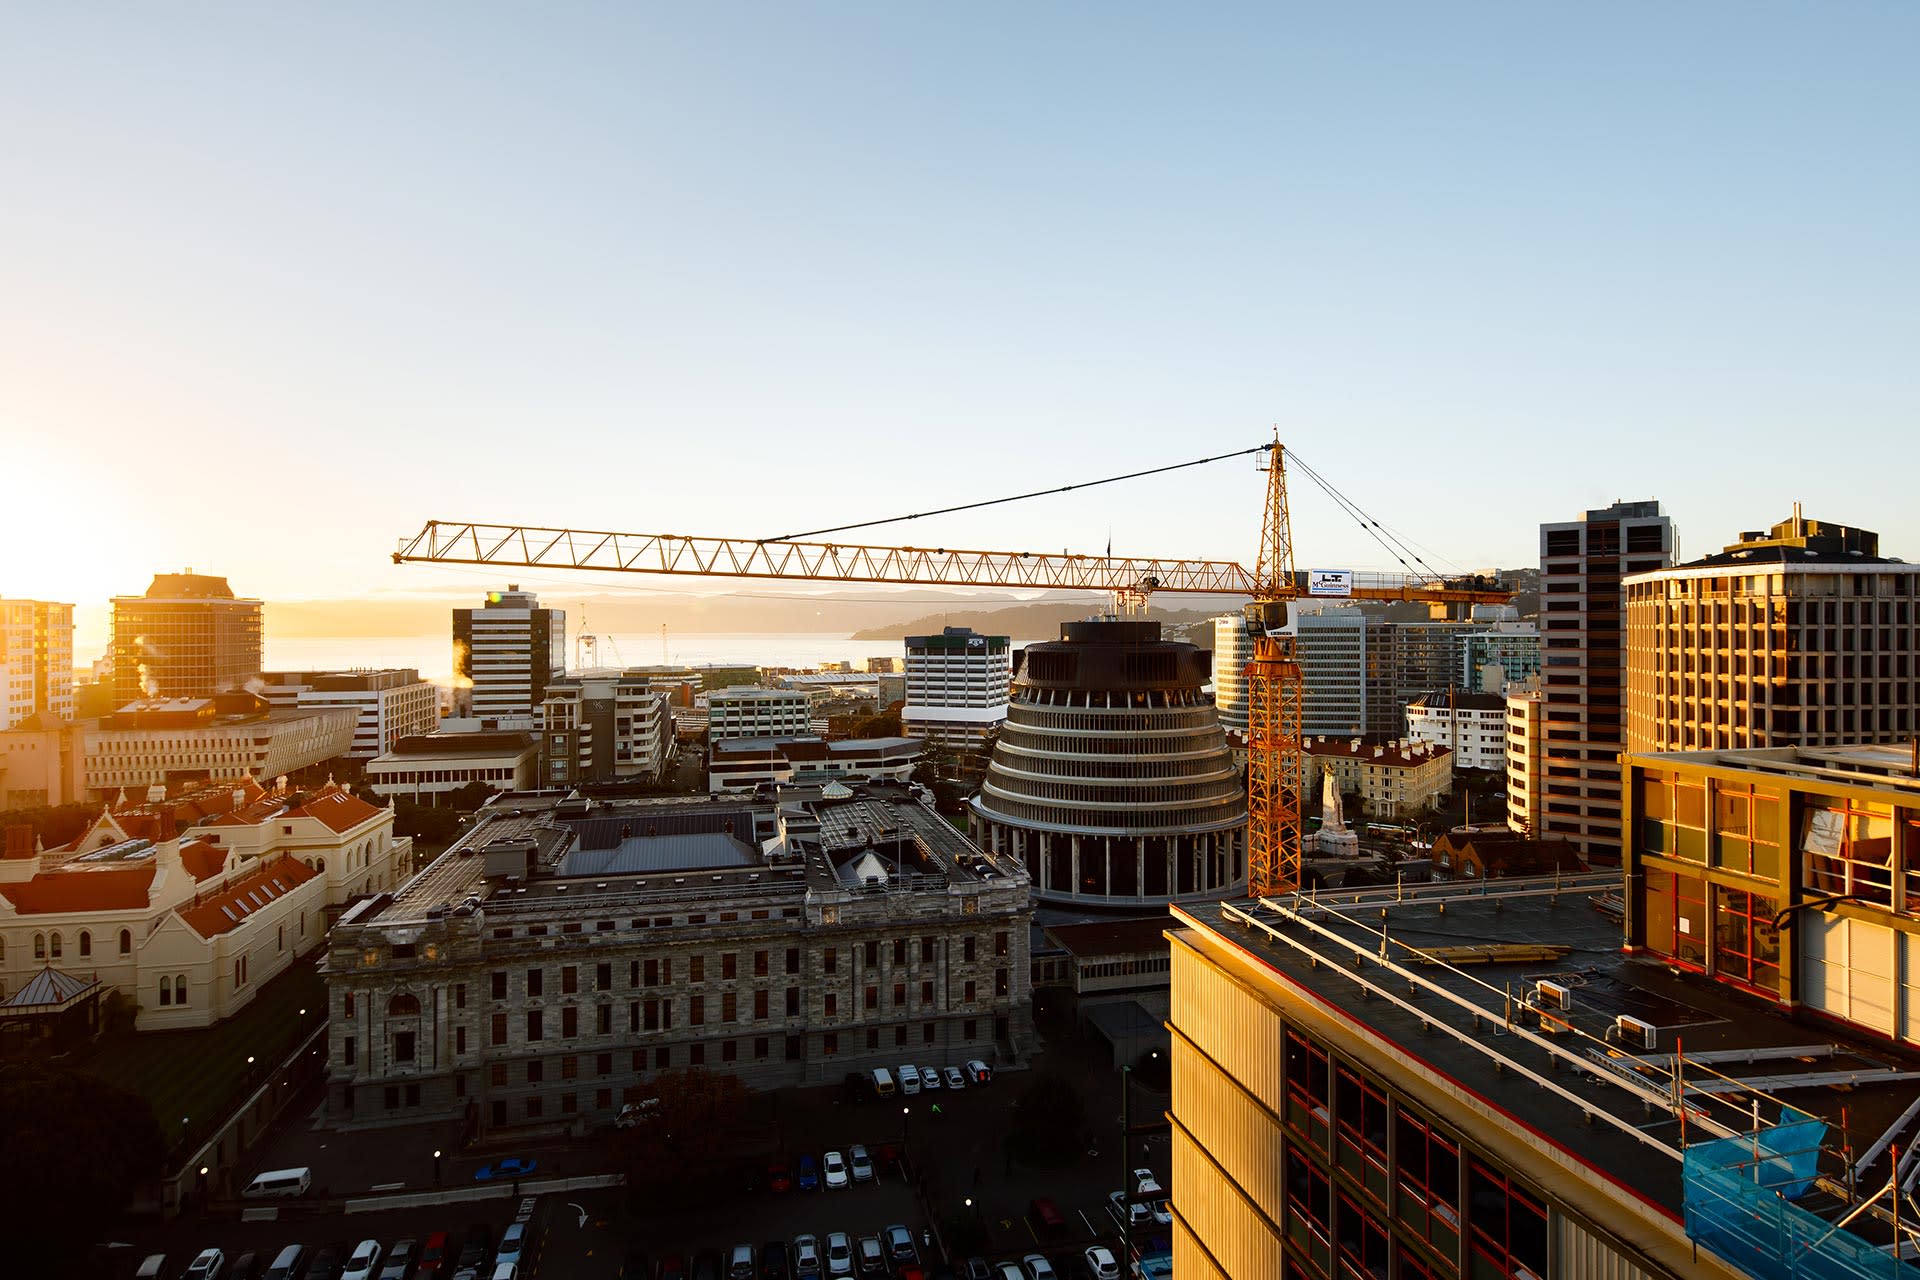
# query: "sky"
{"type": "Point", "coordinates": [280, 283]}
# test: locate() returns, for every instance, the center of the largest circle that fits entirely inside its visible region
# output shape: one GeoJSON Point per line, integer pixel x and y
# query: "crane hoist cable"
{"type": "Point", "coordinates": [1396, 548]}
{"type": "Point", "coordinates": [1020, 497]}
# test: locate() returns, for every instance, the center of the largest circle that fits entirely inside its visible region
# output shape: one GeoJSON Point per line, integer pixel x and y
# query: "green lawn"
{"type": "Point", "coordinates": [202, 1075]}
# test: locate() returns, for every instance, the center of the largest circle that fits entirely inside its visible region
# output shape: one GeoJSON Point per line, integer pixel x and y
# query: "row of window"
{"type": "Point", "coordinates": [53, 946]}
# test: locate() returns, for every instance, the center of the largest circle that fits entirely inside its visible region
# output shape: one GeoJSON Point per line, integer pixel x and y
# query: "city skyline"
{"type": "Point", "coordinates": [282, 291]}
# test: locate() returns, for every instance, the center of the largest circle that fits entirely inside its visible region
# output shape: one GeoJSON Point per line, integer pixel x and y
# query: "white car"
{"type": "Point", "coordinates": [954, 1079]}
{"type": "Point", "coordinates": [860, 1162]}
{"type": "Point", "coordinates": [833, 1168]}
{"type": "Point", "coordinates": [208, 1264]}
{"type": "Point", "coordinates": [364, 1262]}
{"type": "Point", "coordinates": [1136, 1215]}
{"type": "Point", "coordinates": [506, 1271]}
{"type": "Point", "coordinates": [978, 1072]}
{"type": "Point", "coordinates": [1100, 1263]}
{"type": "Point", "coordinates": [929, 1079]}
{"type": "Point", "coordinates": [1038, 1268]}
{"type": "Point", "coordinates": [512, 1241]}
{"type": "Point", "coordinates": [806, 1256]}
{"type": "Point", "coordinates": [1009, 1271]}
{"type": "Point", "coordinates": [1144, 1183]}
{"type": "Point", "coordinates": [839, 1254]}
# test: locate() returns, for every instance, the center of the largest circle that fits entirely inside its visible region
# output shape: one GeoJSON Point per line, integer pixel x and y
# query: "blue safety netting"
{"type": "Point", "coordinates": [1739, 1203]}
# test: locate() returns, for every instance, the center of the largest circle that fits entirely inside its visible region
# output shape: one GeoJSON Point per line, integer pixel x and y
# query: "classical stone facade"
{"type": "Point", "coordinates": [548, 966]}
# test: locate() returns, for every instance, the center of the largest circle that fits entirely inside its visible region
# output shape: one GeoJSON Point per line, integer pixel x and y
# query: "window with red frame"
{"type": "Point", "coordinates": [1675, 910]}
{"type": "Point", "coordinates": [1428, 1167]}
{"type": "Point", "coordinates": [1309, 1206]}
{"type": "Point", "coordinates": [1362, 1242]}
{"type": "Point", "coordinates": [1307, 1089]}
{"type": "Point", "coordinates": [1509, 1227]}
{"type": "Point", "coordinates": [1746, 946]}
{"type": "Point", "coordinates": [1361, 1123]}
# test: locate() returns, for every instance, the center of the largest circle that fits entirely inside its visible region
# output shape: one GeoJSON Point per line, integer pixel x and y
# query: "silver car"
{"type": "Point", "coordinates": [839, 1254]}
{"type": "Point", "coordinates": [806, 1257]}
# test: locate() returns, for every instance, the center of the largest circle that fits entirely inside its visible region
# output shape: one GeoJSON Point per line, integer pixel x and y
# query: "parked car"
{"type": "Point", "coordinates": [151, 1266]}
{"type": "Point", "coordinates": [858, 1086]}
{"type": "Point", "coordinates": [433, 1254]}
{"type": "Point", "coordinates": [400, 1260]}
{"type": "Point", "coordinates": [1136, 1215]}
{"type": "Point", "coordinates": [638, 1266]}
{"type": "Point", "coordinates": [954, 1079]}
{"type": "Point", "coordinates": [779, 1176]}
{"type": "Point", "coordinates": [773, 1261]}
{"type": "Point", "coordinates": [208, 1264]}
{"type": "Point", "coordinates": [634, 1112]}
{"type": "Point", "coordinates": [978, 1072]}
{"type": "Point", "coordinates": [1101, 1264]}
{"type": "Point", "coordinates": [977, 1269]}
{"type": "Point", "coordinates": [834, 1166]}
{"type": "Point", "coordinates": [246, 1266]}
{"type": "Point", "coordinates": [672, 1267]}
{"type": "Point", "coordinates": [505, 1271]}
{"type": "Point", "coordinates": [859, 1163]}
{"type": "Point", "coordinates": [839, 1254]}
{"type": "Point", "coordinates": [806, 1258]}
{"type": "Point", "coordinates": [512, 1241]}
{"type": "Point", "coordinates": [929, 1079]}
{"type": "Point", "coordinates": [1045, 1216]}
{"type": "Point", "coordinates": [328, 1261]}
{"type": "Point", "coordinates": [511, 1167]}
{"type": "Point", "coordinates": [873, 1258]}
{"type": "Point", "coordinates": [1009, 1271]}
{"type": "Point", "coordinates": [363, 1262]}
{"type": "Point", "coordinates": [740, 1263]}
{"type": "Point", "coordinates": [1159, 1208]}
{"type": "Point", "coordinates": [1038, 1268]}
{"type": "Point", "coordinates": [807, 1172]}
{"type": "Point", "coordinates": [708, 1265]}
{"type": "Point", "coordinates": [900, 1244]}
{"type": "Point", "coordinates": [475, 1248]}
{"type": "Point", "coordinates": [909, 1078]}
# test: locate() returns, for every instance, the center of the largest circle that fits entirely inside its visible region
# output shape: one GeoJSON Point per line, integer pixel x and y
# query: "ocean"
{"type": "Point", "coordinates": [432, 655]}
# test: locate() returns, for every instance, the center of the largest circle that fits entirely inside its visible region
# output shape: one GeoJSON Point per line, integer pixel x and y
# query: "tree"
{"type": "Point", "coordinates": [1049, 1123]}
{"type": "Point", "coordinates": [77, 1149]}
{"type": "Point", "coordinates": [52, 824]}
{"type": "Point", "coordinates": [688, 1146]}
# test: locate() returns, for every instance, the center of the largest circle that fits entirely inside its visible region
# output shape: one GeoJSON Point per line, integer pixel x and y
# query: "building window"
{"type": "Point", "coordinates": [1509, 1226]}
{"type": "Point", "coordinates": [873, 998]}
{"type": "Point", "coordinates": [730, 1007]}
{"type": "Point", "coordinates": [459, 995]}
{"type": "Point", "coordinates": [497, 1075]}
{"type": "Point", "coordinates": [967, 947]}
{"type": "Point", "coordinates": [831, 1004]}
{"type": "Point", "coordinates": [569, 980]}
{"type": "Point", "coordinates": [499, 1029]}
{"type": "Point", "coordinates": [1000, 943]}
{"type": "Point", "coordinates": [969, 996]}
{"type": "Point", "coordinates": [830, 960]}
{"type": "Point", "coordinates": [179, 988]}
{"type": "Point", "coordinates": [349, 1051]}
{"type": "Point", "coordinates": [1848, 848]}
{"type": "Point", "coordinates": [536, 1072]}
{"type": "Point", "coordinates": [603, 977]}
{"type": "Point", "coordinates": [729, 1050]}
{"type": "Point", "coordinates": [899, 951]}
{"type": "Point", "coordinates": [1362, 1128]}
{"type": "Point", "coordinates": [166, 993]}
{"type": "Point", "coordinates": [759, 964]}
{"type": "Point", "coordinates": [793, 960]}
{"type": "Point", "coordinates": [1307, 1089]}
{"type": "Point", "coordinates": [873, 952]}
{"type": "Point", "coordinates": [926, 951]}
{"type": "Point", "coordinates": [1675, 911]}
{"type": "Point", "coordinates": [86, 943]}
{"type": "Point", "coordinates": [697, 1010]}
{"type": "Point", "coordinates": [696, 969]}
{"type": "Point", "coordinates": [534, 1027]}
{"type": "Point", "coordinates": [795, 1048]}
{"type": "Point", "coordinates": [126, 942]}
{"type": "Point", "coordinates": [404, 1005]}
{"type": "Point", "coordinates": [536, 982]}
{"type": "Point", "coordinates": [760, 1005]}
{"type": "Point", "coordinates": [899, 994]}
{"type": "Point", "coordinates": [729, 966]}
{"type": "Point", "coordinates": [1746, 946]}
{"type": "Point", "coordinates": [830, 1043]}
{"type": "Point", "coordinates": [1362, 1241]}
{"type": "Point", "coordinates": [570, 1022]}
{"type": "Point", "coordinates": [499, 986]}
{"type": "Point", "coordinates": [1429, 1169]}
{"type": "Point", "coordinates": [403, 1046]}
{"type": "Point", "coordinates": [570, 1067]}
{"type": "Point", "coordinates": [39, 946]}
{"type": "Point", "coordinates": [1309, 1206]}
{"type": "Point", "coordinates": [56, 946]}
{"type": "Point", "coordinates": [926, 992]}
{"type": "Point", "coordinates": [459, 1040]}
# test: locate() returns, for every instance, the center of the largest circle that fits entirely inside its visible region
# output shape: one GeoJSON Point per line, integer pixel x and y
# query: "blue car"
{"type": "Point", "coordinates": [807, 1173]}
{"type": "Point", "coordinates": [511, 1167]}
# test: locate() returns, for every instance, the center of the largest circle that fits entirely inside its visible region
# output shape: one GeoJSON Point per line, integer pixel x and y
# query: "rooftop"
{"type": "Point", "coordinates": [1382, 753]}
{"type": "Point", "coordinates": [1111, 937]}
{"type": "Point", "coordinates": [1885, 766]}
{"type": "Point", "coordinates": [1487, 987]}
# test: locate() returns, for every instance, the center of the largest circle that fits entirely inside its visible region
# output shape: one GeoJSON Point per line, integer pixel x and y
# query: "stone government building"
{"type": "Point", "coordinates": [565, 951]}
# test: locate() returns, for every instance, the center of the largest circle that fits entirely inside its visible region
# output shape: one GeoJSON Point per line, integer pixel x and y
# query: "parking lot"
{"type": "Point", "coordinates": [943, 1161]}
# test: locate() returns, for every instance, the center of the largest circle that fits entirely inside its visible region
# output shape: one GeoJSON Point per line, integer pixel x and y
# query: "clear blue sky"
{"type": "Point", "coordinates": [278, 283]}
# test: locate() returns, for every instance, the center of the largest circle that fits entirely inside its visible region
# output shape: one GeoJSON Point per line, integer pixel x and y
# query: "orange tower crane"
{"type": "Point", "coordinates": [1274, 685]}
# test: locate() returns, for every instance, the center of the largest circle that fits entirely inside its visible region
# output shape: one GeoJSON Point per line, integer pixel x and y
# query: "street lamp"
{"type": "Point", "coordinates": [906, 1128]}
{"type": "Point", "coordinates": [1126, 1174]}
{"type": "Point", "coordinates": [436, 1166]}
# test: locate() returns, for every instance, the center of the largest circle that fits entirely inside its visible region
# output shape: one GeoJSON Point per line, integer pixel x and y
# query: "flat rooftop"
{"type": "Point", "coordinates": [1476, 1021]}
{"type": "Point", "coordinates": [1884, 765]}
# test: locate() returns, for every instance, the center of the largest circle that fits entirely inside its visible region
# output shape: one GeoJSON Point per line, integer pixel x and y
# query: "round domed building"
{"type": "Point", "coordinates": [1112, 778]}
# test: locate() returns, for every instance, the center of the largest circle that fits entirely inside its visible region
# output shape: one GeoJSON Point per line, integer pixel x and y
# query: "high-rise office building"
{"type": "Point", "coordinates": [604, 727]}
{"type": "Point", "coordinates": [1332, 648]}
{"type": "Point", "coordinates": [36, 660]}
{"type": "Point", "coordinates": [1510, 648]}
{"type": "Point", "coordinates": [1232, 651]}
{"type": "Point", "coordinates": [188, 637]}
{"type": "Point", "coordinates": [1582, 565]}
{"type": "Point", "coordinates": [1526, 735]}
{"type": "Point", "coordinates": [505, 653]}
{"type": "Point", "coordinates": [957, 685]}
{"type": "Point", "coordinates": [749, 711]}
{"type": "Point", "coordinates": [1804, 635]}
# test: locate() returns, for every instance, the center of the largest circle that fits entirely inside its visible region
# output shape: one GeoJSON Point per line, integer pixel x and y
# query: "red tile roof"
{"type": "Point", "coordinates": [223, 909]}
{"type": "Point", "coordinates": [337, 810]}
{"type": "Point", "coordinates": [203, 859]}
{"type": "Point", "coordinates": [106, 889]}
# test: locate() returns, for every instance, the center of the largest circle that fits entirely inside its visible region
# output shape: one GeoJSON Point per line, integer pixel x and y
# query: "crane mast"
{"type": "Point", "coordinates": [1275, 687]}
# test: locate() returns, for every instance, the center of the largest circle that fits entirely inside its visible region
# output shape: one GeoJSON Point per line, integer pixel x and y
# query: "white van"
{"type": "Point", "coordinates": [882, 1083]}
{"type": "Point", "coordinates": [151, 1267]}
{"type": "Point", "coordinates": [278, 1183]}
{"type": "Point", "coordinates": [909, 1078]}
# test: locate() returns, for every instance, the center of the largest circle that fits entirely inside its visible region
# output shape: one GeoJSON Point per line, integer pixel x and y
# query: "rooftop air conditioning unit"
{"type": "Point", "coordinates": [1551, 995]}
{"type": "Point", "coordinates": [1633, 1031]}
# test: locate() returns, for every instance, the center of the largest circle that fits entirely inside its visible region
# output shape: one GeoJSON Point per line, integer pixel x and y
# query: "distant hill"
{"type": "Point", "coordinates": [1022, 622]}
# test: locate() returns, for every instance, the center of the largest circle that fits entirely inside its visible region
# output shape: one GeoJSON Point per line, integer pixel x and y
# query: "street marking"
{"type": "Point", "coordinates": [386, 1186]}
{"type": "Point", "coordinates": [582, 1211]}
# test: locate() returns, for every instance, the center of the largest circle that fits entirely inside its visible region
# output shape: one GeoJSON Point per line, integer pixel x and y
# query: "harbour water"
{"type": "Point", "coordinates": [432, 655]}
